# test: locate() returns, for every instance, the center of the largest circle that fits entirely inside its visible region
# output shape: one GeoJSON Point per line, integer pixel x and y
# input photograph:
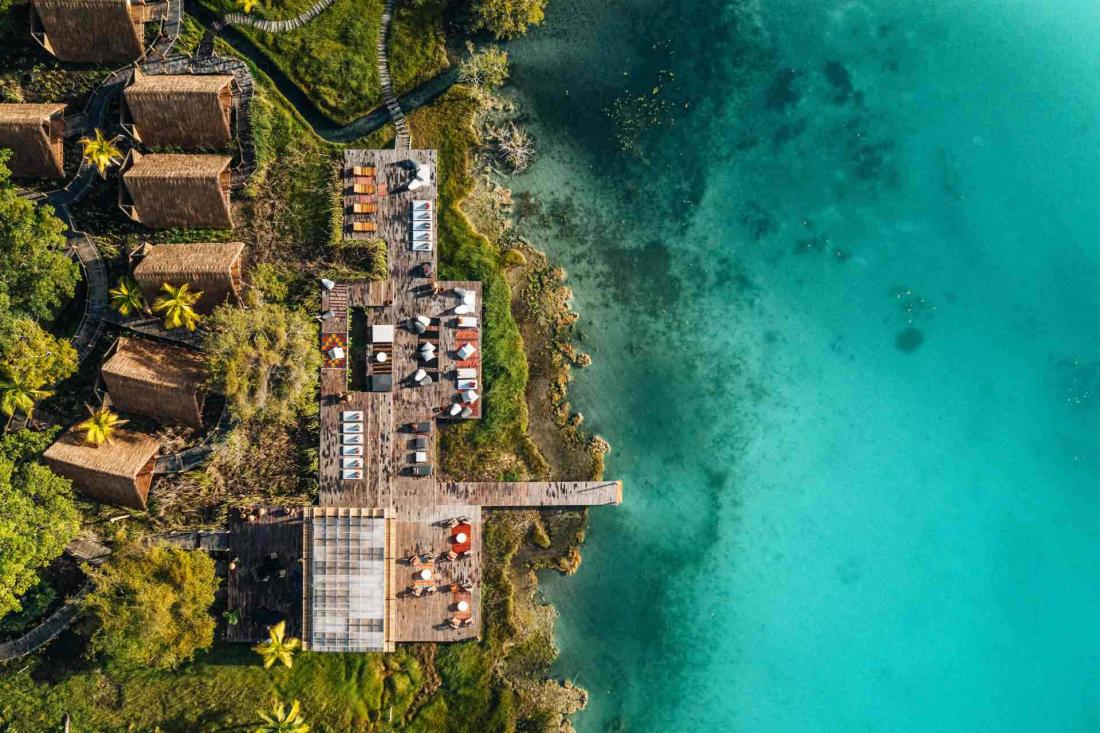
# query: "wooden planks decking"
{"type": "Point", "coordinates": [265, 577]}
{"type": "Point", "coordinates": [397, 424]}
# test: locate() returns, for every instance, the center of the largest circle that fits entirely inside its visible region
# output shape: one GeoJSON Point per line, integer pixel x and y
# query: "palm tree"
{"type": "Point", "coordinates": [100, 427]}
{"type": "Point", "coordinates": [15, 395]}
{"type": "Point", "coordinates": [282, 720]}
{"type": "Point", "coordinates": [101, 152]}
{"type": "Point", "coordinates": [177, 305]}
{"type": "Point", "coordinates": [279, 647]}
{"type": "Point", "coordinates": [246, 5]}
{"type": "Point", "coordinates": [126, 297]}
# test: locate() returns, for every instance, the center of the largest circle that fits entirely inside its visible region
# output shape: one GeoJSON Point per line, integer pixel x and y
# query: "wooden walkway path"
{"type": "Point", "coordinates": [534, 493]}
{"type": "Point", "coordinates": [45, 632]}
{"type": "Point", "coordinates": [403, 141]}
{"type": "Point", "coordinates": [279, 26]}
{"type": "Point", "coordinates": [95, 301]}
{"type": "Point", "coordinates": [89, 551]}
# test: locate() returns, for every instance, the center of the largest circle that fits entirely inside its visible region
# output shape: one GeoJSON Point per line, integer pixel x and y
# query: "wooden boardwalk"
{"type": "Point", "coordinates": [403, 138]}
{"type": "Point", "coordinates": [533, 494]}
{"type": "Point", "coordinates": [90, 551]}
{"type": "Point", "coordinates": [279, 26]}
{"type": "Point", "coordinates": [45, 632]}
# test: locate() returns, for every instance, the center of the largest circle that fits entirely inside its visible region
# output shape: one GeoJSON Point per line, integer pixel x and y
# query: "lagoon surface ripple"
{"type": "Point", "coordinates": [842, 293]}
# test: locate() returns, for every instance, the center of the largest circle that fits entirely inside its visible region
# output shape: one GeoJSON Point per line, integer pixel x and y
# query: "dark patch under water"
{"type": "Point", "coordinates": [837, 75]}
{"type": "Point", "coordinates": [909, 340]}
{"type": "Point", "coordinates": [782, 92]}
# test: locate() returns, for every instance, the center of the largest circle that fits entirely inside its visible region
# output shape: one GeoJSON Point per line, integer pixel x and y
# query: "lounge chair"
{"type": "Point", "coordinates": [363, 188]}
{"type": "Point", "coordinates": [364, 226]}
{"type": "Point", "coordinates": [368, 208]}
{"type": "Point", "coordinates": [362, 170]}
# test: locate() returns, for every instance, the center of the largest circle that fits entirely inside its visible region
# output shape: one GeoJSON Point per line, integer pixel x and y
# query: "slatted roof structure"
{"type": "Point", "coordinates": [188, 111]}
{"type": "Point", "coordinates": [117, 472]}
{"type": "Point", "coordinates": [346, 554]}
{"type": "Point", "coordinates": [214, 268]}
{"type": "Point", "coordinates": [156, 380]}
{"type": "Point", "coordinates": [89, 31]}
{"type": "Point", "coordinates": [34, 134]}
{"type": "Point", "coordinates": [168, 190]}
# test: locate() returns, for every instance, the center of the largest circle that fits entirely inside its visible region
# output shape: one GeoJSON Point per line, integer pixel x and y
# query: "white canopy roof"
{"type": "Point", "coordinates": [381, 334]}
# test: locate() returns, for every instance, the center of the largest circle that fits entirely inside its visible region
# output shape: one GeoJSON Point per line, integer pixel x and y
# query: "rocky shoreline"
{"type": "Point", "coordinates": [545, 539]}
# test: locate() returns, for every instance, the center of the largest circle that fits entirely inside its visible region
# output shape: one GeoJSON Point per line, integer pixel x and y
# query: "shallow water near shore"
{"type": "Point", "coordinates": [842, 298]}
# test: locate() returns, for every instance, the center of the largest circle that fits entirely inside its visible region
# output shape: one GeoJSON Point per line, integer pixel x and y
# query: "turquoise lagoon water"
{"type": "Point", "coordinates": [842, 297]}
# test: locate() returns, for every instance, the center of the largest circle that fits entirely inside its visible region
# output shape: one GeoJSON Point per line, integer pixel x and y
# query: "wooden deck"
{"type": "Point", "coordinates": [425, 618]}
{"type": "Point", "coordinates": [263, 589]}
{"type": "Point", "coordinates": [418, 507]}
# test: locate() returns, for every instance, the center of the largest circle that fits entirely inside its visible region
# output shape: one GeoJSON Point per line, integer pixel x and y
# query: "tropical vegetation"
{"type": "Point", "coordinates": [507, 18]}
{"type": "Point", "coordinates": [152, 605]}
{"type": "Point", "coordinates": [101, 152]}
{"type": "Point", "coordinates": [279, 647]}
{"type": "Point", "coordinates": [100, 426]}
{"type": "Point", "coordinates": [177, 305]}
{"type": "Point", "coordinates": [35, 273]}
{"type": "Point", "coordinates": [31, 360]}
{"type": "Point", "coordinates": [38, 519]}
{"type": "Point", "coordinates": [18, 396]}
{"type": "Point", "coordinates": [282, 719]}
{"type": "Point", "coordinates": [264, 359]}
{"type": "Point", "coordinates": [485, 69]}
{"type": "Point", "coordinates": [126, 297]}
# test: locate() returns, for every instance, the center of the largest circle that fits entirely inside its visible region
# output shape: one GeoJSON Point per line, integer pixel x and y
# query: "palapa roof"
{"type": "Point", "coordinates": [160, 381]}
{"type": "Point", "coordinates": [27, 130]}
{"type": "Point", "coordinates": [91, 31]}
{"type": "Point", "coordinates": [169, 190]}
{"type": "Point", "coordinates": [118, 472]}
{"type": "Point", "coordinates": [212, 267]}
{"type": "Point", "coordinates": [180, 110]}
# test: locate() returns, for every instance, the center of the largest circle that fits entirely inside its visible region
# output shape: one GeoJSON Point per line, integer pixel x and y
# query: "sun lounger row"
{"type": "Point", "coordinates": [422, 226]}
{"type": "Point", "coordinates": [351, 445]}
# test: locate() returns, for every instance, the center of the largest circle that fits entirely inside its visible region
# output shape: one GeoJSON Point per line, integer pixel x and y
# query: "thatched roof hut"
{"type": "Point", "coordinates": [118, 472]}
{"type": "Point", "coordinates": [34, 134]}
{"type": "Point", "coordinates": [159, 381]}
{"type": "Point", "coordinates": [166, 190]}
{"type": "Point", "coordinates": [179, 110]}
{"type": "Point", "coordinates": [212, 267]}
{"type": "Point", "coordinates": [90, 31]}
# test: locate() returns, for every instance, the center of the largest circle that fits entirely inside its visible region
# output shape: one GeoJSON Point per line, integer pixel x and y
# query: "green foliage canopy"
{"type": "Point", "coordinates": [264, 359]}
{"type": "Point", "coordinates": [153, 606]}
{"type": "Point", "coordinates": [35, 273]}
{"type": "Point", "coordinates": [507, 18]}
{"type": "Point", "coordinates": [38, 517]}
{"type": "Point", "coordinates": [486, 69]}
{"type": "Point", "coordinates": [30, 357]}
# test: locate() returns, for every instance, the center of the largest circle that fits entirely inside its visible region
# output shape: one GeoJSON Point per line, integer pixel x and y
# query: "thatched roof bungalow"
{"type": "Point", "coordinates": [212, 267]}
{"type": "Point", "coordinates": [91, 31]}
{"type": "Point", "coordinates": [159, 381]}
{"type": "Point", "coordinates": [166, 190]}
{"type": "Point", "coordinates": [118, 472]}
{"type": "Point", "coordinates": [34, 134]}
{"type": "Point", "coordinates": [179, 110]}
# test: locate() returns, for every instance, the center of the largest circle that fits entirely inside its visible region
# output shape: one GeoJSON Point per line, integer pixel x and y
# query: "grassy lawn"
{"type": "Point", "coordinates": [221, 692]}
{"type": "Point", "coordinates": [332, 58]}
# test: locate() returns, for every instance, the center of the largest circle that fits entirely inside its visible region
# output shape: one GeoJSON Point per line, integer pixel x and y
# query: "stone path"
{"type": "Point", "coordinates": [279, 26]}
{"type": "Point", "coordinates": [403, 140]}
